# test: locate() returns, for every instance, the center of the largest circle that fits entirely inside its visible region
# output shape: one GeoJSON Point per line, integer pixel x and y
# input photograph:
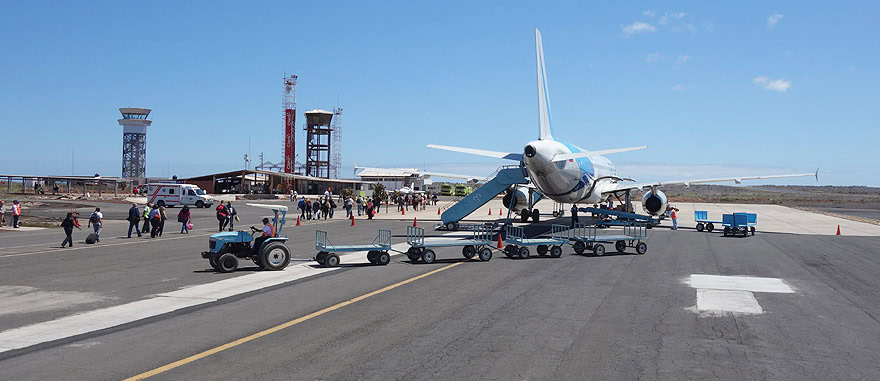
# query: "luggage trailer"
{"type": "Point", "coordinates": [480, 244]}
{"type": "Point", "coordinates": [517, 244]}
{"type": "Point", "coordinates": [703, 221]}
{"type": "Point", "coordinates": [377, 251]}
{"type": "Point", "coordinates": [584, 238]}
{"type": "Point", "coordinates": [739, 223]}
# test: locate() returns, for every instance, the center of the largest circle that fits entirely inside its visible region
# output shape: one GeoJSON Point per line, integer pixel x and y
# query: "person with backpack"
{"type": "Point", "coordinates": [302, 208]}
{"type": "Point", "coordinates": [155, 219]}
{"type": "Point", "coordinates": [221, 216]}
{"type": "Point", "coordinates": [347, 204]}
{"type": "Point", "coordinates": [68, 224]}
{"type": "Point", "coordinates": [183, 217]}
{"type": "Point", "coordinates": [146, 216]}
{"type": "Point", "coordinates": [134, 217]}
{"type": "Point", "coordinates": [162, 218]}
{"type": "Point", "coordinates": [96, 220]}
{"type": "Point", "coordinates": [360, 205]}
{"type": "Point", "coordinates": [231, 215]}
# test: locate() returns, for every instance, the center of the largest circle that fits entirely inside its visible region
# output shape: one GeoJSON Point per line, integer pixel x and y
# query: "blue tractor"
{"type": "Point", "coordinates": [270, 253]}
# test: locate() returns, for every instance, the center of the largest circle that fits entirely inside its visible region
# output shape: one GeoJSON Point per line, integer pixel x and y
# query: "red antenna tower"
{"type": "Point", "coordinates": [288, 105]}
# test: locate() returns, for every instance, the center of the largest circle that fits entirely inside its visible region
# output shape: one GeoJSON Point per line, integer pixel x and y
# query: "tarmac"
{"type": "Point", "coordinates": [791, 302]}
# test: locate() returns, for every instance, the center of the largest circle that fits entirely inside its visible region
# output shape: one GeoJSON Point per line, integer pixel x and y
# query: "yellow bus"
{"type": "Point", "coordinates": [463, 190]}
{"type": "Point", "coordinates": [446, 190]}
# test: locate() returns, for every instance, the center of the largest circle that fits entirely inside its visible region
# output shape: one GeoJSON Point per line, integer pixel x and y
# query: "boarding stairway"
{"type": "Point", "coordinates": [503, 179]}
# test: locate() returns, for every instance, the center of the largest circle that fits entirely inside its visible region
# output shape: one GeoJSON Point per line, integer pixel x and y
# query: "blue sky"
{"type": "Point", "coordinates": [712, 88]}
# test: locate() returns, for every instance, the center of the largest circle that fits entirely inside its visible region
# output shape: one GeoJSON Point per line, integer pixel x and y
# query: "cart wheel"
{"type": "Point", "coordinates": [468, 251]}
{"type": "Point", "coordinates": [556, 251]}
{"type": "Point", "coordinates": [383, 258]}
{"type": "Point", "coordinates": [726, 231]}
{"type": "Point", "coordinates": [428, 256]}
{"type": "Point", "coordinates": [274, 256]}
{"type": "Point", "coordinates": [709, 227]}
{"type": "Point", "coordinates": [599, 250]}
{"type": "Point", "coordinates": [579, 247]}
{"type": "Point", "coordinates": [509, 250]}
{"type": "Point", "coordinates": [642, 248]}
{"type": "Point", "coordinates": [371, 257]}
{"type": "Point", "coordinates": [700, 227]}
{"type": "Point", "coordinates": [227, 263]}
{"type": "Point", "coordinates": [524, 252]}
{"type": "Point", "coordinates": [485, 254]}
{"type": "Point", "coordinates": [620, 246]}
{"type": "Point", "coordinates": [542, 250]}
{"type": "Point", "coordinates": [332, 260]}
{"type": "Point", "coordinates": [753, 230]}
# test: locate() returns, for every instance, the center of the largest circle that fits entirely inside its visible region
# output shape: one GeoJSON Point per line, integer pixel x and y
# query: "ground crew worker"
{"type": "Point", "coordinates": [134, 217]}
{"type": "Point", "coordinates": [231, 215]}
{"type": "Point", "coordinates": [146, 217]}
{"type": "Point", "coordinates": [674, 217]}
{"type": "Point", "coordinates": [16, 213]}
{"type": "Point", "coordinates": [155, 220]}
{"type": "Point", "coordinates": [68, 224]}
{"type": "Point", "coordinates": [221, 216]}
{"type": "Point", "coordinates": [2, 213]}
{"type": "Point", "coordinates": [574, 215]}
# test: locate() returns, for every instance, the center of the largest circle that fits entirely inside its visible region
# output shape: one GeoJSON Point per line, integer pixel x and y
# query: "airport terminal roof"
{"type": "Point", "coordinates": [388, 172]}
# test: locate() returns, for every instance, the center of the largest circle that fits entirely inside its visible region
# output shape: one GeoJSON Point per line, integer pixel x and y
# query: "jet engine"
{"type": "Point", "coordinates": [516, 198]}
{"type": "Point", "coordinates": [654, 202]}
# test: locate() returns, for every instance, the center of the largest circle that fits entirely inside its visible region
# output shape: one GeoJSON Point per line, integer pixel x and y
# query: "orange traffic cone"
{"type": "Point", "coordinates": [415, 222]}
{"type": "Point", "coordinates": [499, 211]}
{"type": "Point", "coordinates": [490, 211]}
{"type": "Point", "coordinates": [403, 212]}
{"type": "Point", "coordinates": [838, 229]}
{"type": "Point", "coordinates": [297, 221]}
{"type": "Point", "coordinates": [352, 220]}
{"type": "Point", "coordinates": [438, 211]}
{"type": "Point", "coordinates": [500, 244]}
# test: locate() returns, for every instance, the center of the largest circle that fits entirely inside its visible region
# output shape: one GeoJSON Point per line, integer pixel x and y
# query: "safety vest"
{"type": "Point", "coordinates": [673, 215]}
{"type": "Point", "coordinates": [16, 210]}
{"type": "Point", "coordinates": [271, 231]}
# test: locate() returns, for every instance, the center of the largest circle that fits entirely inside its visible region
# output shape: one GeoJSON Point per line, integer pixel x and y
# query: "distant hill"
{"type": "Point", "coordinates": [794, 195]}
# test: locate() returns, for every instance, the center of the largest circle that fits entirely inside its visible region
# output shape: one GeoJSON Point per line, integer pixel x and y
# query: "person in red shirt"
{"type": "Point", "coordinates": [221, 215]}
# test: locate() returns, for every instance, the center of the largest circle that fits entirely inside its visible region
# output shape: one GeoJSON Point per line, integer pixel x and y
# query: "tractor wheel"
{"type": "Point", "coordinates": [274, 256]}
{"type": "Point", "coordinates": [709, 227]}
{"type": "Point", "coordinates": [332, 260]}
{"type": "Point", "coordinates": [542, 250]}
{"type": "Point", "coordinates": [213, 261]}
{"type": "Point", "coordinates": [383, 258]}
{"type": "Point", "coordinates": [257, 262]}
{"type": "Point", "coordinates": [579, 247]}
{"type": "Point", "coordinates": [468, 251]}
{"type": "Point", "coordinates": [227, 263]}
{"type": "Point", "coordinates": [556, 251]}
{"type": "Point", "coordinates": [428, 256]}
{"type": "Point", "coordinates": [641, 248]}
{"type": "Point", "coordinates": [485, 254]}
{"type": "Point", "coordinates": [700, 227]}
{"type": "Point", "coordinates": [620, 246]}
{"type": "Point", "coordinates": [599, 250]}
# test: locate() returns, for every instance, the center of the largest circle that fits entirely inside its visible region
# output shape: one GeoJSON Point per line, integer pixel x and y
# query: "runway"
{"type": "Point", "coordinates": [677, 312]}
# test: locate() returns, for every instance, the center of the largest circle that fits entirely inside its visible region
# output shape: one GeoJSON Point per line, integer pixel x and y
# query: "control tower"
{"type": "Point", "coordinates": [318, 143]}
{"type": "Point", "coordinates": [134, 141]}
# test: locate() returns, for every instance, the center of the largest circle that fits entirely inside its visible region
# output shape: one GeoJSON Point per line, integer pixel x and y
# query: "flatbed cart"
{"type": "Point", "coordinates": [517, 244]}
{"type": "Point", "coordinates": [377, 251]}
{"type": "Point", "coordinates": [739, 223]}
{"type": "Point", "coordinates": [480, 244]}
{"type": "Point", "coordinates": [703, 221]}
{"type": "Point", "coordinates": [585, 238]}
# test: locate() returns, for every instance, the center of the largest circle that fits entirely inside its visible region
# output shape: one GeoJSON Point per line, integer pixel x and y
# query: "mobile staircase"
{"type": "Point", "coordinates": [503, 179]}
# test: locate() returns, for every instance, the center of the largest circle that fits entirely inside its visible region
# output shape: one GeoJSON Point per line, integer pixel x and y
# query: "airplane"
{"type": "Point", "coordinates": [570, 174]}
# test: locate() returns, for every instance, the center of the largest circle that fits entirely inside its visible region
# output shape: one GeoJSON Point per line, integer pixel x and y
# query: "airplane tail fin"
{"type": "Point", "coordinates": [544, 125]}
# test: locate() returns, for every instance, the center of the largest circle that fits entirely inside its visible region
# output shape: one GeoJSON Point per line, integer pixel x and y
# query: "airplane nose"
{"type": "Point", "coordinates": [530, 151]}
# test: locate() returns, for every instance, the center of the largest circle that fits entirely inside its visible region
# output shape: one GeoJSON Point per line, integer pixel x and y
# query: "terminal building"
{"type": "Point", "coordinates": [396, 178]}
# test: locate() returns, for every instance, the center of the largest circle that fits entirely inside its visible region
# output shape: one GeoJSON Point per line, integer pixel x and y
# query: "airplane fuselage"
{"type": "Point", "coordinates": [567, 181]}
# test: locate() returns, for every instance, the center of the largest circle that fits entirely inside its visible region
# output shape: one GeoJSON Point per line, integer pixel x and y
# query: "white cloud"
{"type": "Point", "coordinates": [653, 57]}
{"type": "Point", "coordinates": [678, 87]}
{"type": "Point", "coordinates": [649, 14]}
{"type": "Point", "coordinates": [778, 85]}
{"type": "Point", "coordinates": [773, 19]}
{"type": "Point", "coordinates": [681, 60]}
{"type": "Point", "coordinates": [638, 27]}
{"type": "Point", "coordinates": [669, 16]}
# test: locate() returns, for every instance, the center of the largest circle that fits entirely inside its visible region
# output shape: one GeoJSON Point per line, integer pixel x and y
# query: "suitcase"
{"type": "Point", "coordinates": [92, 238]}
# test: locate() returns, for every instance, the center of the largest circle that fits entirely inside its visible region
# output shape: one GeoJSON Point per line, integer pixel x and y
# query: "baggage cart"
{"type": "Point", "coordinates": [518, 245]}
{"type": "Point", "coordinates": [584, 238]}
{"type": "Point", "coordinates": [703, 222]}
{"type": "Point", "coordinates": [480, 244]}
{"type": "Point", "coordinates": [377, 251]}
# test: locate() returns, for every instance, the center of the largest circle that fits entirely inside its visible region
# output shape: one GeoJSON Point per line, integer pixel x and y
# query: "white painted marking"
{"type": "Point", "coordinates": [720, 301]}
{"type": "Point", "coordinates": [741, 283]}
{"type": "Point", "coordinates": [104, 318]}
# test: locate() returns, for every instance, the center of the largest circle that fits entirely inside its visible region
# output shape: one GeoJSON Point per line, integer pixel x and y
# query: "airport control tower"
{"type": "Point", "coordinates": [134, 141]}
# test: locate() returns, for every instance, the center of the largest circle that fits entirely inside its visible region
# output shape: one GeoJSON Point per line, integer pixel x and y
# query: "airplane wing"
{"type": "Point", "coordinates": [577, 155]}
{"type": "Point", "coordinates": [620, 186]}
{"type": "Point", "coordinates": [421, 173]}
{"type": "Point", "coordinates": [480, 152]}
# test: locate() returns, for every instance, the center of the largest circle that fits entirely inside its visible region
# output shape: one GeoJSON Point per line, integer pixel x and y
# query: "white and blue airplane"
{"type": "Point", "coordinates": [570, 174]}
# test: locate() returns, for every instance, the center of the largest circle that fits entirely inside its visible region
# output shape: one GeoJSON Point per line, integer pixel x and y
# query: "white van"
{"type": "Point", "coordinates": [163, 194]}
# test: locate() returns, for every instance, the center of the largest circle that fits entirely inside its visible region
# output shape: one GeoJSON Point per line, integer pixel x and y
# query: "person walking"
{"type": "Point", "coordinates": [134, 219]}
{"type": "Point", "coordinates": [2, 213]}
{"type": "Point", "coordinates": [316, 208]}
{"type": "Point", "coordinates": [574, 215]}
{"type": "Point", "coordinates": [162, 218]}
{"type": "Point", "coordinates": [325, 208]}
{"type": "Point", "coordinates": [221, 216]}
{"type": "Point", "coordinates": [68, 224]}
{"type": "Point", "coordinates": [369, 209]}
{"type": "Point", "coordinates": [95, 221]}
{"type": "Point", "coordinates": [16, 213]}
{"type": "Point", "coordinates": [360, 205]}
{"type": "Point", "coordinates": [308, 206]}
{"type": "Point", "coordinates": [302, 208]}
{"type": "Point", "coordinates": [231, 215]}
{"type": "Point", "coordinates": [183, 217]}
{"type": "Point", "coordinates": [434, 199]}
{"type": "Point", "coordinates": [347, 204]}
{"type": "Point", "coordinates": [146, 216]}
{"type": "Point", "coordinates": [332, 208]}
{"type": "Point", "coordinates": [155, 219]}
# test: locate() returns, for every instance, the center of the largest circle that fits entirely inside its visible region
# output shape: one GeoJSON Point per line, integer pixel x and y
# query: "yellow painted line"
{"type": "Point", "coordinates": [235, 343]}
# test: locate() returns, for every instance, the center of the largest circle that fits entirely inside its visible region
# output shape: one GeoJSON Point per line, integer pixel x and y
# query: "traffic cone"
{"type": "Point", "coordinates": [838, 229]}
{"type": "Point", "coordinates": [490, 211]}
{"type": "Point", "coordinates": [438, 211]}
{"type": "Point", "coordinates": [352, 220]}
{"type": "Point", "coordinates": [415, 222]}
{"type": "Point", "coordinates": [403, 212]}
{"type": "Point", "coordinates": [297, 221]}
{"type": "Point", "coordinates": [499, 211]}
{"type": "Point", "coordinates": [500, 244]}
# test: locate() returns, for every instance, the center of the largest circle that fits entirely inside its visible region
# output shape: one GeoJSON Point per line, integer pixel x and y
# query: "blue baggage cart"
{"type": "Point", "coordinates": [585, 238]}
{"type": "Point", "coordinates": [517, 243]}
{"type": "Point", "coordinates": [480, 244]}
{"type": "Point", "coordinates": [703, 221]}
{"type": "Point", "coordinates": [377, 251]}
{"type": "Point", "coordinates": [739, 223]}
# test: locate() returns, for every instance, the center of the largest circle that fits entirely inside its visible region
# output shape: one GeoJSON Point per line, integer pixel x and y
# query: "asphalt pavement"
{"type": "Point", "coordinates": [619, 316]}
